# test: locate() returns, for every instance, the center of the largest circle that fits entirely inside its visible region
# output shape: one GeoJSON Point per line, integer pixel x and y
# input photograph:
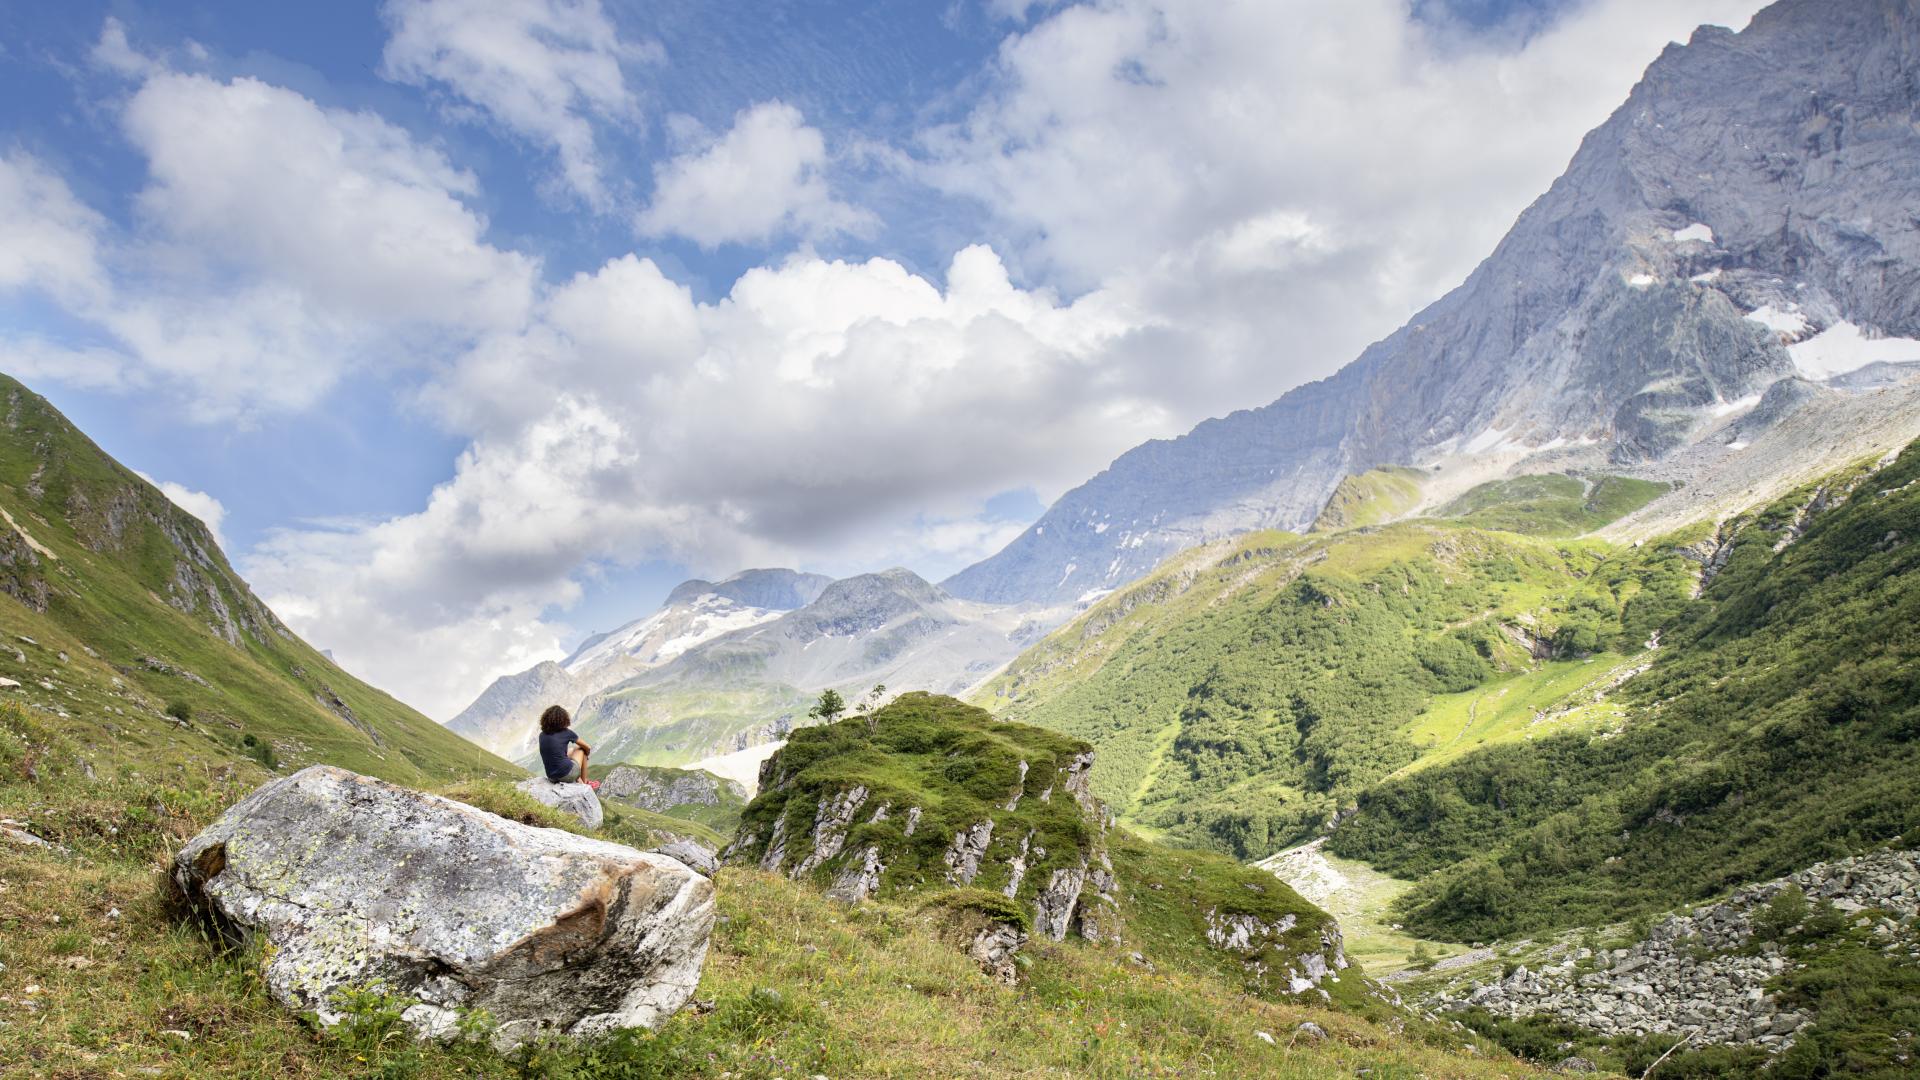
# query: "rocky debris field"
{"type": "Point", "coordinates": [1703, 973]}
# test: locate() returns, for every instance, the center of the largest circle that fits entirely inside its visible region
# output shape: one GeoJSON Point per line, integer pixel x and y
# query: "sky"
{"type": "Point", "coordinates": [473, 326]}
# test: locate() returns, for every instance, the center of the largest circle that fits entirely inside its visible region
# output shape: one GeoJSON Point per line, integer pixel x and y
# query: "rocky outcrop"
{"type": "Point", "coordinates": [830, 825]}
{"type": "Point", "coordinates": [964, 854]}
{"type": "Point", "coordinates": [1251, 937]}
{"type": "Point", "coordinates": [994, 948]}
{"type": "Point", "coordinates": [1025, 826]}
{"type": "Point", "coordinates": [576, 799]}
{"type": "Point", "coordinates": [1703, 974]}
{"type": "Point", "coordinates": [355, 882]}
{"type": "Point", "coordinates": [1053, 905]}
{"type": "Point", "coordinates": [660, 790]}
{"type": "Point", "coordinates": [696, 855]}
{"type": "Point", "coordinates": [860, 878]}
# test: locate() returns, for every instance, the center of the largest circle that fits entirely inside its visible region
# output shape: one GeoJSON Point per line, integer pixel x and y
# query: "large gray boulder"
{"type": "Point", "coordinates": [356, 882]}
{"type": "Point", "coordinates": [576, 799]}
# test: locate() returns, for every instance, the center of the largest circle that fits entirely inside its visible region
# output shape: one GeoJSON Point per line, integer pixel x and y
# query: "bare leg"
{"type": "Point", "coordinates": [580, 756]}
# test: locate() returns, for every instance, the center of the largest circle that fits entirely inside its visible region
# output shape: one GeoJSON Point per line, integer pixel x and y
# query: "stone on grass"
{"type": "Point", "coordinates": [576, 799]}
{"type": "Point", "coordinates": [695, 854]}
{"type": "Point", "coordinates": [358, 883]}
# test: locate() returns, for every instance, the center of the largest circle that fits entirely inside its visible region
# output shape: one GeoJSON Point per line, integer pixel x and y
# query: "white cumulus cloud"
{"type": "Point", "coordinates": [764, 178]}
{"type": "Point", "coordinates": [279, 247]}
{"type": "Point", "coordinates": [842, 415]}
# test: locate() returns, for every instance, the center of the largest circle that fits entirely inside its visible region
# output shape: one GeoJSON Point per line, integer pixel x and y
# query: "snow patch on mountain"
{"type": "Point", "coordinates": [1844, 347]}
{"type": "Point", "coordinates": [1788, 321]}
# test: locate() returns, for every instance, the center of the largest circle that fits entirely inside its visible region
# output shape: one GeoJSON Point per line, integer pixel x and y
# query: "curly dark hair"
{"type": "Point", "coordinates": [555, 719]}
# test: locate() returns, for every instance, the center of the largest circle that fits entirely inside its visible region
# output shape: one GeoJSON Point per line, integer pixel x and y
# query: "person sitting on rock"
{"type": "Point", "coordinates": [561, 752]}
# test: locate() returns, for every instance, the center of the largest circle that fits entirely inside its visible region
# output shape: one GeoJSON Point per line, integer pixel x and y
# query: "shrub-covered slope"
{"type": "Point", "coordinates": [123, 619]}
{"type": "Point", "coordinates": [1247, 691]}
{"type": "Point", "coordinates": [1775, 727]}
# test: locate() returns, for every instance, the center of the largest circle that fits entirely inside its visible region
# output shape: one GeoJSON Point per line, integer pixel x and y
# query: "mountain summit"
{"type": "Point", "coordinates": [1746, 216]}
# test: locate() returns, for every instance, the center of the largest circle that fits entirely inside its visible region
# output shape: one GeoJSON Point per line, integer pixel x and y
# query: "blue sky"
{"type": "Point", "coordinates": [475, 325]}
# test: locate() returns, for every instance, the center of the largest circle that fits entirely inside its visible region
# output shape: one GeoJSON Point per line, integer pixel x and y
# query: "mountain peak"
{"type": "Point", "coordinates": [775, 589]}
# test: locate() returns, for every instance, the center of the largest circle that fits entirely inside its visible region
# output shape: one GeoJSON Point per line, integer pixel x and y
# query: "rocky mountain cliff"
{"type": "Point", "coordinates": [1746, 216]}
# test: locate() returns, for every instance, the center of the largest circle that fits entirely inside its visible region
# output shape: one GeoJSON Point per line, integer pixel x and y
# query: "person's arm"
{"type": "Point", "coordinates": [582, 744]}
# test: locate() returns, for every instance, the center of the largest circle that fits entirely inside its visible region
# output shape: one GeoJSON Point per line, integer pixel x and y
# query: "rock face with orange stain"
{"type": "Point", "coordinates": [357, 883]}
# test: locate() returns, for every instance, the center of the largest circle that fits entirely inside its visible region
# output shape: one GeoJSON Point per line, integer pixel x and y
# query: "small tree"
{"type": "Point", "coordinates": [829, 707]}
{"type": "Point", "coordinates": [1422, 957]}
{"type": "Point", "coordinates": [871, 703]}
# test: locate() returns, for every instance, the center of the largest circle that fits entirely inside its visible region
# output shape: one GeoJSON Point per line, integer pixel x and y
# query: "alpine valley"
{"type": "Point", "coordinates": [1539, 692]}
{"type": "Point", "coordinates": [1585, 597]}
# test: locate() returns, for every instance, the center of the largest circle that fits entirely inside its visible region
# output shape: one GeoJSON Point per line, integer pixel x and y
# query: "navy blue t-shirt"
{"type": "Point", "coordinates": [553, 752]}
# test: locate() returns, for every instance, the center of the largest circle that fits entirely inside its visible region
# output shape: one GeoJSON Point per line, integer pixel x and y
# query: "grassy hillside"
{"type": "Point", "coordinates": [1551, 505]}
{"type": "Point", "coordinates": [1775, 727]}
{"type": "Point", "coordinates": [1246, 692]}
{"type": "Point", "coordinates": [125, 621]}
{"type": "Point", "coordinates": [103, 982]}
{"type": "Point", "coordinates": [1374, 497]}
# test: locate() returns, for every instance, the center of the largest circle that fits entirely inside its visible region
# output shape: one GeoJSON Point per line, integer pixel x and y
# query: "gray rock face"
{"type": "Point", "coordinates": [356, 882]}
{"type": "Point", "coordinates": [1053, 905]}
{"type": "Point", "coordinates": [696, 855]}
{"type": "Point", "coordinates": [963, 855]}
{"type": "Point", "coordinates": [576, 799]}
{"type": "Point", "coordinates": [660, 790]}
{"type": "Point", "coordinates": [860, 878]}
{"type": "Point", "coordinates": [777, 589]}
{"type": "Point", "coordinates": [1601, 315]}
{"type": "Point", "coordinates": [994, 949]}
{"type": "Point", "coordinates": [1702, 974]}
{"type": "Point", "coordinates": [830, 826]}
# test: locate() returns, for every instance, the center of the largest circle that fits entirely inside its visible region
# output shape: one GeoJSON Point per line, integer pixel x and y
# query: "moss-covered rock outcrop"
{"type": "Point", "coordinates": [932, 797]}
{"type": "Point", "coordinates": [932, 793]}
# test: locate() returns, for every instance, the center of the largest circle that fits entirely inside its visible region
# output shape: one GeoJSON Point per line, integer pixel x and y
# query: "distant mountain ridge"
{"type": "Point", "coordinates": [751, 686]}
{"type": "Point", "coordinates": [695, 611]}
{"type": "Point", "coordinates": [727, 666]}
{"type": "Point", "coordinates": [1744, 217]}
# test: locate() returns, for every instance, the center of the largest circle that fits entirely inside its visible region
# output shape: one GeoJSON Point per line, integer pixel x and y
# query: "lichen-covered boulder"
{"type": "Point", "coordinates": [356, 882]}
{"type": "Point", "coordinates": [576, 799]}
